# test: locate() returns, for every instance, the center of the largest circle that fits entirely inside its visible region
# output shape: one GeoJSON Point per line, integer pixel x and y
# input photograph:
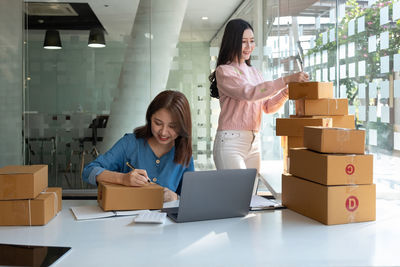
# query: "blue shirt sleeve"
{"type": "Point", "coordinates": [113, 160]}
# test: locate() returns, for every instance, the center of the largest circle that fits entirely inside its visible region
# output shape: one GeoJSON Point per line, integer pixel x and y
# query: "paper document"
{"type": "Point", "coordinates": [262, 203]}
{"type": "Point", "coordinates": [95, 212]}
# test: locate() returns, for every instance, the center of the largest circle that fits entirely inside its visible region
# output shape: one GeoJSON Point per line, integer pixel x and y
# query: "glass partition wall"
{"type": "Point", "coordinates": [79, 100]}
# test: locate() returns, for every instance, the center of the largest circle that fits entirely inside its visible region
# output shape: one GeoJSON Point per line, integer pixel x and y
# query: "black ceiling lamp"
{"type": "Point", "coordinates": [96, 38]}
{"type": "Point", "coordinates": [52, 40]}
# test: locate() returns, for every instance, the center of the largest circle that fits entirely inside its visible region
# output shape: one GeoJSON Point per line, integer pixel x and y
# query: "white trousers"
{"type": "Point", "coordinates": [237, 150]}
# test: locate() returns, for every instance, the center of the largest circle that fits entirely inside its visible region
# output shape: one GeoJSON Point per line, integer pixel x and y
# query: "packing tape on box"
{"type": "Point", "coordinates": [352, 213]}
{"type": "Point", "coordinates": [29, 212]}
{"type": "Point", "coordinates": [55, 200]}
{"type": "Point", "coordinates": [343, 136]}
{"type": "Point", "coordinates": [350, 170]}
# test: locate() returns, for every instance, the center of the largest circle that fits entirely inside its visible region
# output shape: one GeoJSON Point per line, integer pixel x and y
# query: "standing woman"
{"type": "Point", "coordinates": [243, 95]}
{"type": "Point", "coordinates": [160, 151]}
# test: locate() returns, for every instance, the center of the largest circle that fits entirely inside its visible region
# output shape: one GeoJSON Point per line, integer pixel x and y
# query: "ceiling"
{"type": "Point", "coordinates": [117, 17]}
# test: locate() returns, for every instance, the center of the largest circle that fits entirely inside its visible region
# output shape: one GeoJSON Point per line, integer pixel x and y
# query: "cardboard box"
{"type": "Point", "coordinates": [331, 169]}
{"type": "Point", "coordinates": [294, 141]}
{"type": "Point", "coordinates": [334, 140]}
{"type": "Point", "coordinates": [295, 126]}
{"type": "Point", "coordinates": [19, 255]}
{"type": "Point", "coordinates": [22, 182]}
{"type": "Point", "coordinates": [338, 121]}
{"type": "Point", "coordinates": [120, 197]}
{"type": "Point", "coordinates": [326, 106]}
{"type": "Point", "coordinates": [38, 211]}
{"type": "Point", "coordinates": [329, 204]}
{"type": "Point", "coordinates": [311, 90]}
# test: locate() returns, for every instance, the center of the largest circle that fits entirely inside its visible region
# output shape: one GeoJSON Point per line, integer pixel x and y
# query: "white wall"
{"type": "Point", "coordinates": [11, 93]}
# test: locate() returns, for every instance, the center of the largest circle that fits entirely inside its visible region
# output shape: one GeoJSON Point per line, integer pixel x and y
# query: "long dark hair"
{"type": "Point", "coordinates": [178, 105]}
{"type": "Point", "coordinates": [231, 48]}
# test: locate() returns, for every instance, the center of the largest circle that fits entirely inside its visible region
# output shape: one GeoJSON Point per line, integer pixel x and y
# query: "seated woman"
{"type": "Point", "coordinates": [160, 151]}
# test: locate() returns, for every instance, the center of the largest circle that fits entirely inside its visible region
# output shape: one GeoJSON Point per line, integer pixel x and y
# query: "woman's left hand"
{"type": "Point", "coordinates": [169, 195]}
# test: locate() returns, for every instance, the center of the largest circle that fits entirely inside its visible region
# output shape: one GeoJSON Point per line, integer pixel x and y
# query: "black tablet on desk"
{"type": "Point", "coordinates": [25, 255]}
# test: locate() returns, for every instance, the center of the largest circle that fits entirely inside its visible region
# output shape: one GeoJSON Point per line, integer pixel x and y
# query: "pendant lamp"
{"type": "Point", "coordinates": [96, 38]}
{"type": "Point", "coordinates": [52, 40]}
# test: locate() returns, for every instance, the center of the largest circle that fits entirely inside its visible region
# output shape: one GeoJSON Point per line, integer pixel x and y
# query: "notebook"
{"type": "Point", "coordinates": [208, 195]}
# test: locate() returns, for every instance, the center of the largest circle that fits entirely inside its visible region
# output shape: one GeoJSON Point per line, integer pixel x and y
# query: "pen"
{"type": "Point", "coordinates": [130, 166]}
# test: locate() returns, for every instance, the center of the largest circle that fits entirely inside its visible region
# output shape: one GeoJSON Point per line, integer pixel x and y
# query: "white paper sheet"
{"type": "Point", "coordinates": [95, 212]}
{"type": "Point", "coordinates": [372, 43]}
{"type": "Point", "coordinates": [396, 62]}
{"type": "Point", "coordinates": [361, 90]}
{"type": "Point", "coordinates": [373, 137]}
{"type": "Point", "coordinates": [324, 38]}
{"type": "Point", "coordinates": [385, 64]}
{"type": "Point", "coordinates": [318, 75]}
{"type": "Point", "coordinates": [361, 68]}
{"type": "Point", "coordinates": [342, 51]}
{"type": "Point", "coordinates": [385, 114]}
{"type": "Point", "coordinates": [325, 75]}
{"type": "Point", "coordinates": [351, 50]}
{"type": "Point", "coordinates": [324, 56]}
{"type": "Point", "coordinates": [384, 40]}
{"type": "Point", "coordinates": [343, 91]}
{"type": "Point", "coordinates": [372, 90]}
{"type": "Point", "coordinates": [396, 138]}
{"type": "Point", "coordinates": [385, 89]}
{"type": "Point", "coordinates": [351, 26]}
{"type": "Point", "coordinates": [332, 35]}
{"type": "Point", "coordinates": [384, 15]}
{"type": "Point", "coordinates": [259, 203]}
{"type": "Point", "coordinates": [352, 70]}
{"type": "Point", "coordinates": [361, 24]}
{"type": "Point", "coordinates": [396, 88]}
{"type": "Point", "coordinates": [372, 113]}
{"type": "Point", "coordinates": [396, 11]}
{"type": "Point", "coordinates": [361, 113]}
{"type": "Point", "coordinates": [343, 71]}
{"type": "Point", "coordinates": [332, 73]}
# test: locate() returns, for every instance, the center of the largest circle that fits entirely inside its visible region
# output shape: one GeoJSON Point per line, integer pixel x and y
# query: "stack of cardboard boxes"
{"type": "Point", "coordinates": [315, 106]}
{"type": "Point", "coordinates": [329, 179]}
{"type": "Point", "coordinates": [25, 198]}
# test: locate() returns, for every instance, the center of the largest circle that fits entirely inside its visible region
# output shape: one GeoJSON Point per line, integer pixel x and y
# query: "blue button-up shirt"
{"type": "Point", "coordinates": [139, 154]}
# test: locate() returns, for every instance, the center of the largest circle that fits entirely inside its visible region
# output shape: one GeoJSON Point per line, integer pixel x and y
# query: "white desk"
{"type": "Point", "coordinates": [269, 238]}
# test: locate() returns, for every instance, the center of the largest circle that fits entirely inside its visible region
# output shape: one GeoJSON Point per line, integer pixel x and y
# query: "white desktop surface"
{"type": "Point", "coordinates": [267, 238]}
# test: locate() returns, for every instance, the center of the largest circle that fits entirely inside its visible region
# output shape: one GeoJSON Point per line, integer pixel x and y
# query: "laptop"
{"type": "Point", "coordinates": [209, 195]}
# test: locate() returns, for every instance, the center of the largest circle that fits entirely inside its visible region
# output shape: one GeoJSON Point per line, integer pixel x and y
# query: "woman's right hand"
{"type": "Point", "coordinates": [297, 77]}
{"type": "Point", "coordinates": [137, 177]}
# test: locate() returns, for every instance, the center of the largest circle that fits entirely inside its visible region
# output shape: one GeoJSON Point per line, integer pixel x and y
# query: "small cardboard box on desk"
{"type": "Point", "coordinates": [22, 182]}
{"type": "Point", "coordinates": [120, 197]}
{"type": "Point", "coordinates": [37, 211]}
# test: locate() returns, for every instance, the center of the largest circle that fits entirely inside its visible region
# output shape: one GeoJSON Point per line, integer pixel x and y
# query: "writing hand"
{"type": "Point", "coordinates": [137, 177]}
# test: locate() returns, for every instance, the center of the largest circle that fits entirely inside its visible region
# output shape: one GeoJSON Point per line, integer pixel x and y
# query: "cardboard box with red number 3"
{"type": "Point", "coordinates": [331, 169]}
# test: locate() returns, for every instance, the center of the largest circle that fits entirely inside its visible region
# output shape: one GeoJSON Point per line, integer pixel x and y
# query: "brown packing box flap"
{"type": "Point", "coordinates": [38, 211]}
{"type": "Point", "coordinates": [295, 126]}
{"type": "Point", "coordinates": [344, 121]}
{"type": "Point", "coordinates": [334, 140]}
{"type": "Point", "coordinates": [22, 182]}
{"type": "Point", "coordinates": [15, 255]}
{"type": "Point", "coordinates": [120, 197]}
{"type": "Point", "coordinates": [326, 106]}
{"type": "Point", "coordinates": [331, 169]}
{"type": "Point", "coordinates": [311, 90]}
{"type": "Point", "coordinates": [329, 204]}
{"type": "Point", "coordinates": [294, 141]}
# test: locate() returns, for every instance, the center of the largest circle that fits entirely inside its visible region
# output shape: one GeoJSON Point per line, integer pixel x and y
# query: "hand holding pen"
{"type": "Point", "coordinates": [136, 177]}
